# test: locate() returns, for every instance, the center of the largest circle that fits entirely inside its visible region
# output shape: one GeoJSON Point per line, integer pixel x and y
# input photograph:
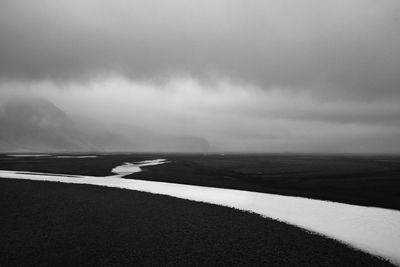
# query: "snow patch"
{"type": "Point", "coordinates": [129, 168]}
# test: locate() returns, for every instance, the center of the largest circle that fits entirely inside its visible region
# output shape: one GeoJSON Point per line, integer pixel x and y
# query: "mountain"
{"type": "Point", "coordinates": [37, 125]}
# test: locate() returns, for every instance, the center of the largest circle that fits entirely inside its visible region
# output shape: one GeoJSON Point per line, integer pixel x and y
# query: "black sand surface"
{"type": "Point", "coordinates": [55, 224]}
{"type": "Point", "coordinates": [353, 179]}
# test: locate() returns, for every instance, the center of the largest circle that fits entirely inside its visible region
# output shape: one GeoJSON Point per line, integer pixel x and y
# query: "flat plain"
{"type": "Point", "coordinates": [353, 179]}
{"type": "Point", "coordinates": [46, 223]}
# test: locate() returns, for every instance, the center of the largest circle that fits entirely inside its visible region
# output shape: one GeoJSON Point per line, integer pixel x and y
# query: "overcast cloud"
{"type": "Point", "coordinates": [266, 76]}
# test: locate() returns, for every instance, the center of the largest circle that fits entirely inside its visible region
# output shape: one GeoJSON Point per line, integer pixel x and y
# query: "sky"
{"type": "Point", "coordinates": [249, 76]}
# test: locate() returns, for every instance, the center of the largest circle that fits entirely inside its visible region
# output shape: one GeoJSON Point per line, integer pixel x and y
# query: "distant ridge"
{"type": "Point", "coordinates": [30, 124]}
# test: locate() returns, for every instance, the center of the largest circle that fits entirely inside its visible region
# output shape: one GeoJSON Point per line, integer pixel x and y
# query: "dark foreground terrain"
{"type": "Point", "coordinates": [54, 224]}
{"type": "Point", "coordinates": [353, 179]}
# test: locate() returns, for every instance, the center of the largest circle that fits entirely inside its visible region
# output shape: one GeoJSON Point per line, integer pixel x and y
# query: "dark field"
{"type": "Point", "coordinates": [53, 224]}
{"type": "Point", "coordinates": [353, 179]}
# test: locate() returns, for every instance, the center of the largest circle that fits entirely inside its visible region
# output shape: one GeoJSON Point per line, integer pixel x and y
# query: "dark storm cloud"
{"type": "Point", "coordinates": [335, 48]}
{"type": "Point", "coordinates": [283, 75]}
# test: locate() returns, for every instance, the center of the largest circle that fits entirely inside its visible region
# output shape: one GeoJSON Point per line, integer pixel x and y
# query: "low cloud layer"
{"type": "Point", "coordinates": [232, 117]}
{"type": "Point", "coordinates": [265, 76]}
